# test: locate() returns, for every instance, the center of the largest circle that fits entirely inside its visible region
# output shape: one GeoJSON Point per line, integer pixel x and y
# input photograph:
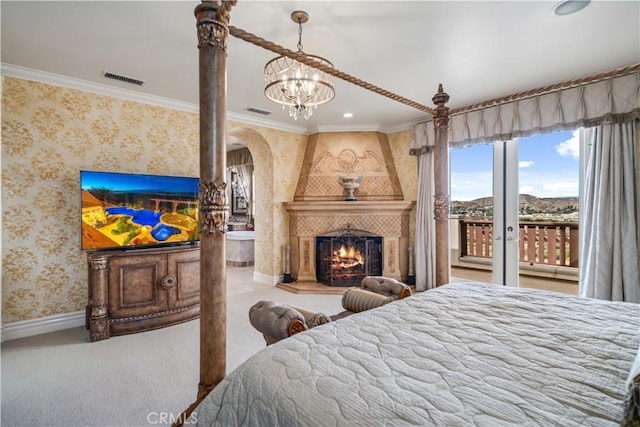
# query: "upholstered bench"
{"type": "Point", "coordinates": [277, 321]}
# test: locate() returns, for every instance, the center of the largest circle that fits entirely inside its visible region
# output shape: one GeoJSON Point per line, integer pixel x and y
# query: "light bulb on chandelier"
{"type": "Point", "coordinates": [296, 85]}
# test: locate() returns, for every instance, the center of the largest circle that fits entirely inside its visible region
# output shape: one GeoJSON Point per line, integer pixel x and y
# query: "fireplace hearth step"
{"type": "Point", "coordinates": [311, 288]}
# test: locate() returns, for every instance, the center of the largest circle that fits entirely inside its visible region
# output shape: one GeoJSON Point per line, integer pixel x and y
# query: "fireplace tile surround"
{"type": "Point", "coordinates": [389, 219]}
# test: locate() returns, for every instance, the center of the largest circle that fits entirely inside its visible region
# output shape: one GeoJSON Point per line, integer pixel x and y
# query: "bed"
{"type": "Point", "coordinates": [458, 354]}
{"type": "Point", "coordinates": [463, 354]}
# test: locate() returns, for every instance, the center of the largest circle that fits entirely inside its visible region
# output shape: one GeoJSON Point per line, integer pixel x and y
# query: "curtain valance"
{"type": "Point", "coordinates": [239, 157]}
{"type": "Point", "coordinates": [613, 100]}
{"type": "Point", "coordinates": [423, 138]}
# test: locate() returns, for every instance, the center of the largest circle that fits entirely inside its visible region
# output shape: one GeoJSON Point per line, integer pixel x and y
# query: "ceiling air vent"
{"type": "Point", "coordinates": [125, 79]}
{"type": "Point", "coordinates": [259, 111]}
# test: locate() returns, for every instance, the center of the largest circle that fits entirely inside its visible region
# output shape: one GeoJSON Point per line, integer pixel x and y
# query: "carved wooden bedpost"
{"type": "Point", "coordinates": [213, 33]}
{"type": "Point", "coordinates": [441, 175]}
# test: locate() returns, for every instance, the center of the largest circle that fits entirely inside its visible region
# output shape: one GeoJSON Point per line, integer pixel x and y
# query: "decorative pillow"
{"type": "Point", "coordinates": [357, 300]}
{"type": "Point", "coordinates": [311, 318]}
{"type": "Point", "coordinates": [317, 319]}
{"type": "Point", "coordinates": [386, 286]}
{"type": "Point", "coordinates": [272, 319]}
{"type": "Point", "coordinates": [631, 417]}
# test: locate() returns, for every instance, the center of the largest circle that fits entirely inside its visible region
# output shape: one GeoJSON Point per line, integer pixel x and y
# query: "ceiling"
{"type": "Point", "coordinates": [478, 50]}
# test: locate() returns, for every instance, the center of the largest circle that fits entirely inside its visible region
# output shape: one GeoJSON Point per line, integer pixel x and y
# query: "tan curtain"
{"type": "Point", "coordinates": [637, 157]}
{"type": "Point", "coordinates": [241, 162]}
{"type": "Point", "coordinates": [244, 176]}
{"type": "Point", "coordinates": [614, 100]}
{"type": "Point", "coordinates": [425, 238]}
{"type": "Point", "coordinates": [239, 157]}
{"type": "Point", "coordinates": [608, 250]}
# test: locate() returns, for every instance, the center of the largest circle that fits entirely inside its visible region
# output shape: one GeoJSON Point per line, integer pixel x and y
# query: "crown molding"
{"type": "Point", "coordinates": [365, 128]}
{"type": "Point", "coordinates": [360, 128]}
{"type": "Point", "coordinates": [17, 71]}
{"type": "Point", "coordinates": [25, 73]}
{"type": "Point", "coordinates": [404, 126]}
{"type": "Point", "coordinates": [249, 120]}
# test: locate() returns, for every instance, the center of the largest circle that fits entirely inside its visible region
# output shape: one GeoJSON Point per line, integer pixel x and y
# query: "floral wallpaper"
{"type": "Point", "coordinates": [50, 133]}
{"type": "Point", "coordinates": [407, 169]}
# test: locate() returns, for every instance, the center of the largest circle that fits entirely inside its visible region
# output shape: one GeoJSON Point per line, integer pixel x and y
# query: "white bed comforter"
{"type": "Point", "coordinates": [462, 354]}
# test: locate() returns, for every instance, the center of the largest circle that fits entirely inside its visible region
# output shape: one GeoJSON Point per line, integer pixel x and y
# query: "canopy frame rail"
{"type": "Point", "coordinates": [311, 62]}
{"type": "Point", "coordinates": [544, 90]}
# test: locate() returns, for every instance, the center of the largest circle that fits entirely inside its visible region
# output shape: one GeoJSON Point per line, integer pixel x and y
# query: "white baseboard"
{"type": "Point", "coordinates": [58, 322]}
{"type": "Point", "coordinates": [27, 328]}
{"type": "Point", "coordinates": [266, 280]}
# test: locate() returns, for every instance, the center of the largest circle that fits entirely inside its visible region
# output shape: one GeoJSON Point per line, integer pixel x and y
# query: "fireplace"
{"type": "Point", "coordinates": [320, 212]}
{"type": "Point", "coordinates": [310, 220]}
{"type": "Point", "coordinates": [344, 259]}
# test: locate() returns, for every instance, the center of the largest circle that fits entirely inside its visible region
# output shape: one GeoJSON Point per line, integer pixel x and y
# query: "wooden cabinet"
{"type": "Point", "coordinates": [137, 290]}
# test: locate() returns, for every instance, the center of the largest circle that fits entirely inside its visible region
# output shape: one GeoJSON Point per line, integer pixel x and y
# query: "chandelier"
{"type": "Point", "coordinates": [298, 86]}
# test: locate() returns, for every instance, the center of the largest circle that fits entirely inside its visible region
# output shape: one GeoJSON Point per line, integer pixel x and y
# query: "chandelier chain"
{"type": "Point", "coordinates": [299, 35]}
{"type": "Point", "coordinates": [301, 57]}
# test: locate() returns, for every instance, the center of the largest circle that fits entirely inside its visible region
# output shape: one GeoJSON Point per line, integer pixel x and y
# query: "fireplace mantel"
{"type": "Point", "coordinates": [387, 218]}
{"type": "Point", "coordinates": [360, 206]}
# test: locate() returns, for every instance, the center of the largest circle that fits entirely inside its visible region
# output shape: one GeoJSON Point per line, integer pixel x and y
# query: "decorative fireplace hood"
{"type": "Point", "coordinates": [333, 156]}
{"type": "Point", "coordinates": [320, 204]}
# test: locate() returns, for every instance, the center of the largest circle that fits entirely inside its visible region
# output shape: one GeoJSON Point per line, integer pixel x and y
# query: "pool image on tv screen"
{"type": "Point", "coordinates": [122, 210]}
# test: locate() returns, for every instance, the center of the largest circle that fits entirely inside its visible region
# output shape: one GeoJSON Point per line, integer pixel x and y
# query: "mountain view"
{"type": "Point", "coordinates": [532, 208]}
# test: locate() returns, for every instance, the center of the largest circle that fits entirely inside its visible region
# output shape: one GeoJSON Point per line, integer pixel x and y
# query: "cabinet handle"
{"type": "Point", "coordinates": [168, 281]}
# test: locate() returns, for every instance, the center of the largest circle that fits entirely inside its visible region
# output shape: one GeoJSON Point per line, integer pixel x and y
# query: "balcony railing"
{"type": "Point", "coordinates": [551, 243]}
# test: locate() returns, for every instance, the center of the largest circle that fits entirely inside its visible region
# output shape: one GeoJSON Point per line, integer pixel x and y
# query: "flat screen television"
{"type": "Point", "coordinates": [126, 211]}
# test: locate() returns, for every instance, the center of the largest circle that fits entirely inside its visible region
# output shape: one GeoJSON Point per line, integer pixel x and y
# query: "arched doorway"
{"type": "Point", "coordinates": [267, 257]}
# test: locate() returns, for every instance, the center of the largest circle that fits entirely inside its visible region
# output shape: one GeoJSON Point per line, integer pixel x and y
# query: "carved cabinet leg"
{"type": "Point", "coordinates": [98, 324]}
{"type": "Point", "coordinates": [98, 320]}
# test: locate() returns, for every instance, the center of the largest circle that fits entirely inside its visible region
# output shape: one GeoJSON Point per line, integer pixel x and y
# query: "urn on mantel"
{"type": "Point", "coordinates": [350, 185]}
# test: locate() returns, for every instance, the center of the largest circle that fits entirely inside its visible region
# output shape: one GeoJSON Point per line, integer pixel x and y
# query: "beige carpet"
{"type": "Point", "coordinates": [148, 378]}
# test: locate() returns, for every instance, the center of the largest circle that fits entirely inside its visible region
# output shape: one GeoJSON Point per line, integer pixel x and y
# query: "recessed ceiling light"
{"type": "Point", "coordinates": [347, 115]}
{"type": "Point", "coordinates": [567, 7]}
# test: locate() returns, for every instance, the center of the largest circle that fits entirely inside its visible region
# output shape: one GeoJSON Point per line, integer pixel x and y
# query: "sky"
{"type": "Point", "coordinates": [138, 182]}
{"type": "Point", "coordinates": [548, 167]}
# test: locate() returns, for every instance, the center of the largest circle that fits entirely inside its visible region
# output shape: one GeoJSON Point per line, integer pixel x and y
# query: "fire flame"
{"type": "Point", "coordinates": [347, 257]}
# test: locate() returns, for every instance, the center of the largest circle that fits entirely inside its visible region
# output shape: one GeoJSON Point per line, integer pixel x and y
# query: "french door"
{"type": "Point", "coordinates": [505, 242]}
{"type": "Point", "coordinates": [484, 212]}
{"type": "Point", "coordinates": [515, 203]}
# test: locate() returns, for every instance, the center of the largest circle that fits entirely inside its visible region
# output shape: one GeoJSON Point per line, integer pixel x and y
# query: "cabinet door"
{"type": "Point", "coordinates": [184, 266]}
{"type": "Point", "coordinates": [134, 285]}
